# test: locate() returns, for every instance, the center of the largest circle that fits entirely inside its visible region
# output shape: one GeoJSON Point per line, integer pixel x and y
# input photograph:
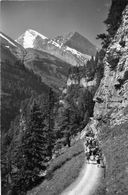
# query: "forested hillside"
{"type": "Point", "coordinates": [36, 110]}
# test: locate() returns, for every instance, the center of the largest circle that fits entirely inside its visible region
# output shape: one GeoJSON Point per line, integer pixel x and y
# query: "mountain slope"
{"type": "Point", "coordinates": [26, 72]}
{"type": "Point", "coordinates": [17, 82]}
{"type": "Point", "coordinates": [77, 42]}
{"type": "Point", "coordinates": [10, 45]}
{"type": "Point", "coordinates": [52, 70]}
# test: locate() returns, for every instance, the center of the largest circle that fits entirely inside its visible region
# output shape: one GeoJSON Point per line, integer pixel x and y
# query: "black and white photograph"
{"type": "Point", "coordinates": [64, 97]}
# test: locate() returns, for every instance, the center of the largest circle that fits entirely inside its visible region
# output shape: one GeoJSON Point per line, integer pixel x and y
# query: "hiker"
{"type": "Point", "coordinates": [97, 160]}
{"type": "Point", "coordinates": [88, 142]}
{"type": "Point", "coordinates": [87, 157]}
{"type": "Point", "coordinates": [100, 158]}
{"type": "Point", "coordinates": [89, 153]}
{"type": "Point", "coordinates": [95, 151]}
{"type": "Point", "coordinates": [86, 150]}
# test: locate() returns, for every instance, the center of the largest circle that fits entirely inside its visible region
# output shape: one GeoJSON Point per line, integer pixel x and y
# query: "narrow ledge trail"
{"type": "Point", "coordinates": [87, 182]}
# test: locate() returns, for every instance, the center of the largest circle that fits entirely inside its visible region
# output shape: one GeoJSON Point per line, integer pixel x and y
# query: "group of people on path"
{"type": "Point", "coordinates": [92, 150]}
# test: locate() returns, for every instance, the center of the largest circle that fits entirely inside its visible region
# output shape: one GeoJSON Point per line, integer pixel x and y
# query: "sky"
{"type": "Point", "coordinates": [55, 17]}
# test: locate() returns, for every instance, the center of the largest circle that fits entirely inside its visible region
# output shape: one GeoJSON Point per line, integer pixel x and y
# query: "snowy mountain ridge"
{"type": "Point", "coordinates": [35, 40]}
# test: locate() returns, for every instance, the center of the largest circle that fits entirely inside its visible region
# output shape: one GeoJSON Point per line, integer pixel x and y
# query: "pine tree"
{"type": "Point", "coordinates": [113, 21]}
{"type": "Point", "coordinates": [67, 125]}
{"type": "Point", "coordinates": [64, 128]}
{"type": "Point", "coordinates": [50, 118]}
{"type": "Point", "coordinates": [35, 138]}
{"type": "Point", "coordinates": [31, 155]}
{"type": "Point", "coordinates": [85, 105]}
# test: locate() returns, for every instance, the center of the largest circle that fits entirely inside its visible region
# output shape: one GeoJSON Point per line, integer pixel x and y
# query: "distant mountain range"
{"type": "Point", "coordinates": [70, 48]}
{"type": "Point", "coordinates": [33, 63]}
{"type": "Point", "coordinates": [48, 58]}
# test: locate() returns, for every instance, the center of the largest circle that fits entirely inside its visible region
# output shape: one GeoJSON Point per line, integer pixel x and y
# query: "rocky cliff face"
{"type": "Point", "coordinates": [110, 118]}
{"type": "Point", "coordinates": [112, 95]}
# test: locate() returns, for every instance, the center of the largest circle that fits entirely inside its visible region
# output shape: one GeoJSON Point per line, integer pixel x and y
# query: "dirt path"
{"type": "Point", "coordinates": [87, 181]}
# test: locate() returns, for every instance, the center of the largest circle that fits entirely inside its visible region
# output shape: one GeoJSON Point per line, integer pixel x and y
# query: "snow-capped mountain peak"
{"type": "Point", "coordinates": [27, 39]}
{"type": "Point", "coordinates": [73, 47]}
{"type": "Point", "coordinates": [35, 34]}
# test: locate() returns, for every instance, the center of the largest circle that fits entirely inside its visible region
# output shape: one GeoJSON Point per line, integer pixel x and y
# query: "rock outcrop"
{"type": "Point", "coordinates": [110, 117]}
{"type": "Point", "coordinates": [112, 95]}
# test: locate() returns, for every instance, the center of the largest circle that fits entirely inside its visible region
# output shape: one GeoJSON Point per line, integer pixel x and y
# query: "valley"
{"type": "Point", "coordinates": [56, 94]}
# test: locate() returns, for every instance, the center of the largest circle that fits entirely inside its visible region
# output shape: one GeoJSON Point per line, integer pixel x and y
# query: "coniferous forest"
{"type": "Point", "coordinates": [42, 128]}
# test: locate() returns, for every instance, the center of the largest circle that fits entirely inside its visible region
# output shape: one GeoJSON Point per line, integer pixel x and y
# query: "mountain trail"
{"type": "Point", "coordinates": [87, 182]}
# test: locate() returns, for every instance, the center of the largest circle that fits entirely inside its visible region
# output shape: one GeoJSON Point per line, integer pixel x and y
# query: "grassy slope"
{"type": "Point", "coordinates": [65, 168]}
{"type": "Point", "coordinates": [115, 148]}
{"type": "Point", "coordinates": [62, 171]}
